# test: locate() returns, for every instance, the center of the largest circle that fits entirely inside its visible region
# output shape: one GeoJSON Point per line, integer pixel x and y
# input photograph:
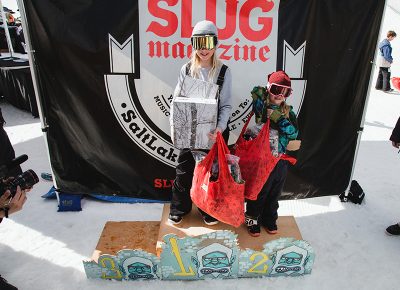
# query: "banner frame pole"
{"type": "Point", "coordinates": [32, 64]}
{"type": "Point", "coordinates": [361, 127]}
{"type": "Point", "coordinates": [8, 37]}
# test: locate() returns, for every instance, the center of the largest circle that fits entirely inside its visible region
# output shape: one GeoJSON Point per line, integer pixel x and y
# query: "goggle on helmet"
{"type": "Point", "coordinates": [279, 90]}
{"type": "Point", "coordinates": [208, 41]}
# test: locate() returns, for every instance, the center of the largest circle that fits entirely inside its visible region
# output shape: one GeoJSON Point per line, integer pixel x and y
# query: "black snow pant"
{"type": "Point", "coordinates": [181, 203]}
{"type": "Point", "coordinates": [383, 81]}
{"type": "Point", "coordinates": [265, 208]}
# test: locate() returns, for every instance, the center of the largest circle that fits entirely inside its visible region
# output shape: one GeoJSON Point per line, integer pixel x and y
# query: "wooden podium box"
{"type": "Point", "coordinates": [118, 236]}
{"type": "Point", "coordinates": [193, 225]}
{"type": "Point", "coordinates": [148, 235]}
{"type": "Point", "coordinates": [192, 250]}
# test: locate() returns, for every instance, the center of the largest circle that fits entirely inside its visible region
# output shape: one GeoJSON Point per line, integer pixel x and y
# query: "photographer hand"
{"type": "Point", "coordinates": [396, 145]}
{"type": "Point", "coordinates": [15, 204]}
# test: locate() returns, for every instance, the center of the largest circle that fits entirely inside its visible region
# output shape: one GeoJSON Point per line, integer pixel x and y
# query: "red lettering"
{"type": "Point", "coordinates": [161, 49]}
{"type": "Point", "coordinates": [231, 12]}
{"type": "Point", "coordinates": [155, 49]}
{"type": "Point", "coordinates": [163, 183]}
{"type": "Point", "coordinates": [190, 50]}
{"type": "Point", "coordinates": [211, 8]}
{"type": "Point", "coordinates": [186, 18]}
{"type": "Point", "coordinates": [245, 52]}
{"type": "Point", "coordinates": [159, 28]}
{"type": "Point", "coordinates": [170, 17]}
{"type": "Point", "coordinates": [158, 183]}
{"type": "Point", "coordinates": [253, 53]}
{"type": "Point", "coordinates": [236, 47]}
{"type": "Point", "coordinates": [167, 183]}
{"type": "Point", "coordinates": [223, 54]}
{"type": "Point", "coordinates": [225, 51]}
{"type": "Point", "coordinates": [265, 22]}
{"type": "Point", "coordinates": [178, 50]}
{"type": "Point", "coordinates": [262, 52]}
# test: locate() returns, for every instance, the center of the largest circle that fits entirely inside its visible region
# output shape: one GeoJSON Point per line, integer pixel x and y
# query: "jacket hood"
{"type": "Point", "coordinates": [383, 43]}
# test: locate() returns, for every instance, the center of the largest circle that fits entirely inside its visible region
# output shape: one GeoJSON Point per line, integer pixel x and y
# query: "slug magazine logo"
{"type": "Point", "coordinates": [157, 49]}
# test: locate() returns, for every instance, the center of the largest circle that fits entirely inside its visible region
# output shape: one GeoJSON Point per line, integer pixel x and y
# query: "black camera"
{"type": "Point", "coordinates": [25, 180]}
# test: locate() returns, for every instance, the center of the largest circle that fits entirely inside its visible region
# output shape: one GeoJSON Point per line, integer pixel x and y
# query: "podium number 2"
{"type": "Point", "coordinates": [258, 264]}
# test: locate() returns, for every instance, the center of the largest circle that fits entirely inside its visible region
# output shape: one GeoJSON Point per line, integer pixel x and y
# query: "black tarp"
{"type": "Point", "coordinates": [89, 151]}
{"type": "Point", "coordinates": [16, 84]}
{"type": "Point", "coordinates": [341, 40]}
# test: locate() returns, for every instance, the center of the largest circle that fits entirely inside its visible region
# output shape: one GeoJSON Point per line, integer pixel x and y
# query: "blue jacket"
{"type": "Point", "coordinates": [386, 50]}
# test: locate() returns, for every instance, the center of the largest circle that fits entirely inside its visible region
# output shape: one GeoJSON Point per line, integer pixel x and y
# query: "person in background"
{"type": "Point", "coordinates": [205, 65]}
{"type": "Point", "coordinates": [7, 152]}
{"type": "Point", "coordinates": [9, 15]}
{"type": "Point", "coordinates": [283, 127]}
{"type": "Point", "coordinates": [395, 138]}
{"type": "Point", "coordinates": [385, 60]}
{"type": "Point", "coordinates": [19, 38]}
{"type": "Point", "coordinates": [8, 205]}
{"type": "Point", "coordinates": [10, 18]}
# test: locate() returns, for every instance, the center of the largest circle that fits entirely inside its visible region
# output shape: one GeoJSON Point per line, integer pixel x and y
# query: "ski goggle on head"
{"type": "Point", "coordinates": [204, 42]}
{"type": "Point", "coordinates": [279, 90]}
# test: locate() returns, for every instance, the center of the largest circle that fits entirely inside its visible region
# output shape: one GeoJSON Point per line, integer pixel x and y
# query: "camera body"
{"type": "Point", "coordinates": [25, 180]}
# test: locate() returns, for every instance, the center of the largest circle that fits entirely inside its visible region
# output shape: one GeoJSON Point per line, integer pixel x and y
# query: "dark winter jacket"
{"type": "Point", "coordinates": [287, 127]}
{"type": "Point", "coordinates": [396, 133]}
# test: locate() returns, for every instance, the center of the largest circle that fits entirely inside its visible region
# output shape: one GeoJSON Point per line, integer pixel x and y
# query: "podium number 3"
{"type": "Point", "coordinates": [111, 267]}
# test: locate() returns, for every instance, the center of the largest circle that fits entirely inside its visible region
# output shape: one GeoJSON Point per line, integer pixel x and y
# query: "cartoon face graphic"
{"type": "Point", "coordinates": [215, 260]}
{"type": "Point", "coordinates": [139, 268]}
{"type": "Point", "coordinates": [289, 261]}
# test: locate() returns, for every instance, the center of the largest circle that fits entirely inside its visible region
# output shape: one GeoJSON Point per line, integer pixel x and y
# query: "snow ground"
{"type": "Point", "coordinates": [41, 248]}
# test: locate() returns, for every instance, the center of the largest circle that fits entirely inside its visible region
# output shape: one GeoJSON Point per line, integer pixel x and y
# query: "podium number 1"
{"type": "Point", "coordinates": [177, 254]}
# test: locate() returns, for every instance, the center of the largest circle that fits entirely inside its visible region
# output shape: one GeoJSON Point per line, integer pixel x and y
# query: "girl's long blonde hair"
{"type": "Point", "coordinates": [195, 65]}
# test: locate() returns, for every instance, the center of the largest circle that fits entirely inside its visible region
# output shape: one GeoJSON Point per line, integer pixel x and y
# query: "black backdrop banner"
{"type": "Point", "coordinates": [106, 73]}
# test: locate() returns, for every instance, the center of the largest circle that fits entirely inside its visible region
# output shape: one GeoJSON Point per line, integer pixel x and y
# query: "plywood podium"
{"type": "Point", "coordinates": [192, 250]}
